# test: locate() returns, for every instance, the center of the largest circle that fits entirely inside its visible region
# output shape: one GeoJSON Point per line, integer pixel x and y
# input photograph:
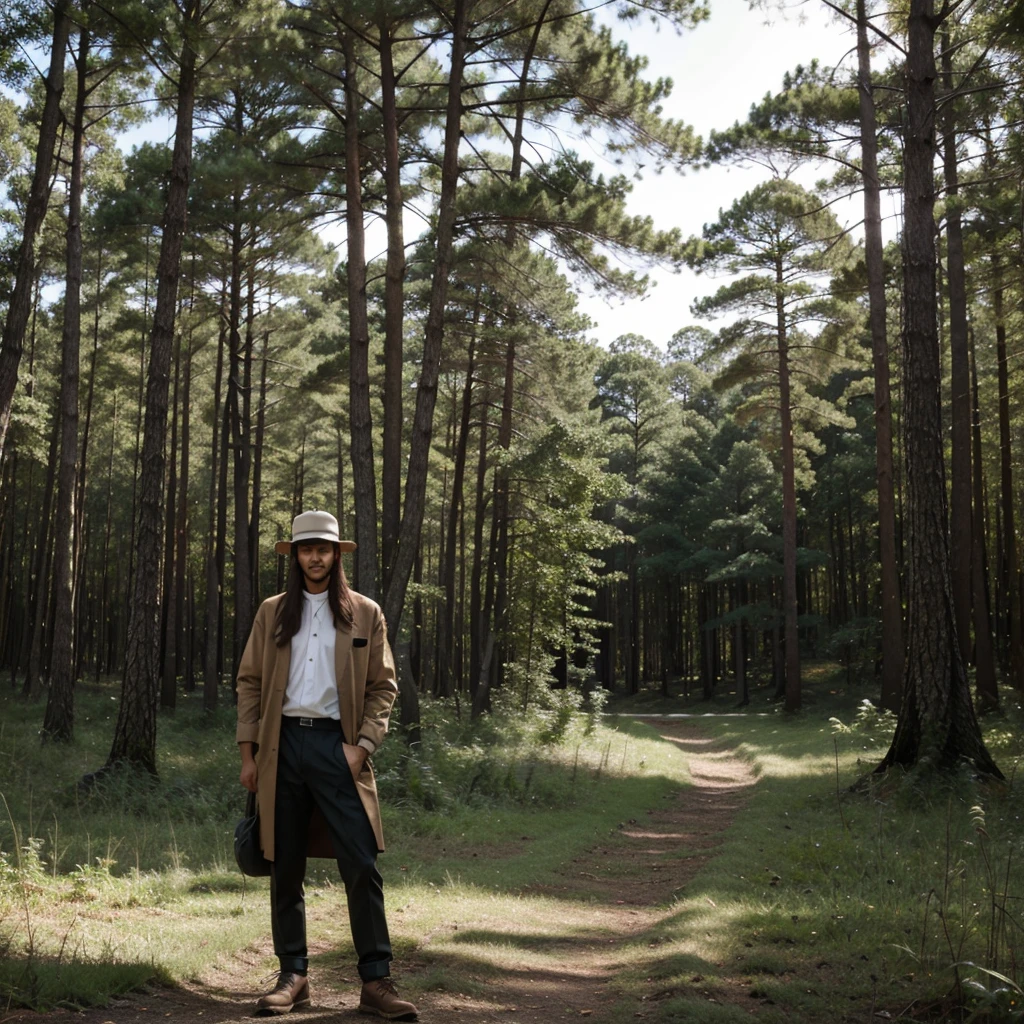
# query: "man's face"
{"type": "Point", "coordinates": [315, 561]}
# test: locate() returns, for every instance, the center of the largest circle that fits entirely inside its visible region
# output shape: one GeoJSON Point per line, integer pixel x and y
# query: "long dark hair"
{"type": "Point", "coordinates": [289, 608]}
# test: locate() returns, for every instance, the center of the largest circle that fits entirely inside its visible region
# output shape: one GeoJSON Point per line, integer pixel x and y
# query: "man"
{"type": "Point", "coordinates": [315, 689]}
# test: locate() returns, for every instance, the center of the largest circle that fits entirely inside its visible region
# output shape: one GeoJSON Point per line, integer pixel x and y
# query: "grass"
{"type": "Point", "coordinates": [820, 903]}
{"type": "Point", "coordinates": [134, 881]}
{"type": "Point", "coordinates": [833, 905]}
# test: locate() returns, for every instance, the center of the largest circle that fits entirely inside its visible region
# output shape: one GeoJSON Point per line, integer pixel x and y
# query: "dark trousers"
{"type": "Point", "coordinates": [312, 770]}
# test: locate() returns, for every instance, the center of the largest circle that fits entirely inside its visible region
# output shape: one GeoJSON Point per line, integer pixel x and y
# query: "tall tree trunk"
{"type": "Point", "coordinates": [394, 312]}
{"type": "Point", "coordinates": [35, 212]}
{"type": "Point", "coordinates": [1010, 577]}
{"type": "Point", "coordinates": [960, 376]}
{"type": "Point", "coordinates": [59, 720]}
{"type": "Point", "coordinates": [477, 622]}
{"type": "Point", "coordinates": [41, 578]}
{"type": "Point", "coordinates": [789, 587]}
{"type": "Point", "coordinates": [83, 454]}
{"type": "Point", "coordinates": [218, 486]}
{"type": "Point", "coordinates": [446, 631]}
{"type": "Point", "coordinates": [426, 391]}
{"type": "Point", "coordinates": [239, 406]}
{"type": "Point", "coordinates": [168, 601]}
{"type": "Point", "coordinates": [106, 646]}
{"type": "Point", "coordinates": [182, 588]}
{"type": "Point", "coordinates": [257, 474]}
{"type": "Point", "coordinates": [892, 609]}
{"type": "Point", "coordinates": [936, 724]}
{"type": "Point", "coordinates": [135, 733]}
{"type": "Point", "coordinates": [984, 651]}
{"type": "Point", "coordinates": [364, 487]}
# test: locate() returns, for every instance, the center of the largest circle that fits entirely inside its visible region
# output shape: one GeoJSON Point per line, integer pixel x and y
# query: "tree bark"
{"type": "Point", "coordinates": [426, 391]}
{"type": "Point", "coordinates": [960, 377]}
{"type": "Point", "coordinates": [257, 475]}
{"type": "Point", "coordinates": [892, 609]}
{"type": "Point", "coordinates": [984, 651]}
{"type": "Point", "coordinates": [168, 602]}
{"type": "Point", "coordinates": [937, 728]}
{"type": "Point", "coordinates": [35, 212]}
{"type": "Point", "coordinates": [364, 487]}
{"type": "Point", "coordinates": [135, 733]}
{"type": "Point", "coordinates": [789, 588]}
{"type": "Point", "coordinates": [394, 311]}
{"type": "Point", "coordinates": [218, 457]}
{"type": "Point", "coordinates": [59, 720]}
{"type": "Point", "coordinates": [240, 408]}
{"type": "Point", "coordinates": [1010, 578]}
{"type": "Point", "coordinates": [182, 588]}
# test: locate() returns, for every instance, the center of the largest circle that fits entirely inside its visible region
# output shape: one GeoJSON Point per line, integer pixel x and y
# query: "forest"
{"type": "Point", "coordinates": [349, 280]}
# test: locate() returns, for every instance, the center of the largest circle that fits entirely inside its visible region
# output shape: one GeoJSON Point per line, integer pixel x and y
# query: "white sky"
{"type": "Point", "coordinates": [719, 69]}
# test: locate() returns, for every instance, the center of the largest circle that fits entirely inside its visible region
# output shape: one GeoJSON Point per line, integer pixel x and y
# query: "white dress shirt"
{"type": "Point", "coordinates": [312, 688]}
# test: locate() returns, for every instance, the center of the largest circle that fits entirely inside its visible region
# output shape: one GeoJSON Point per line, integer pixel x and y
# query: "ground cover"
{"type": "Point", "coordinates": [706, 868]}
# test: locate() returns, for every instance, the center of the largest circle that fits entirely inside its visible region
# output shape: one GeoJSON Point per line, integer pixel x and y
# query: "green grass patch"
{"type": "Point", "coordinates": [834, 904]}
{"type": "Point", "coordinates": [821, 903]}
{"type": "Point", "coordinates": [133, 880]}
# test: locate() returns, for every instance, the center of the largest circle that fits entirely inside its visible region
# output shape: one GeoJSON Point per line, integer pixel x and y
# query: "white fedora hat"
{"type": "Point", "coordinates": [314, 525]}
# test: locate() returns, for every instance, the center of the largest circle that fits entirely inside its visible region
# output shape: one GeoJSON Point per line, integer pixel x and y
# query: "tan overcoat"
{"type": "Point", "coordinates": [365, 673]}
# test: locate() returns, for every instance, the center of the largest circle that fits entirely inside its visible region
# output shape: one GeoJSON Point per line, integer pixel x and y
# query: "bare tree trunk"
{"type": "Point", "coordinates": [789, 588]}
{"type": "Point", "coordinates": [477, 622]}
{"type": "Point", "coordinates": [426, 391]}
{"type": "Point", "coordinates": [1010, 577]}
{"type": "Point", "coordinates": [960, 376]}
{"type": "Point", "coordinates": [218, 457]}
{"type": "Point", "coordinates": [83, 463]}
{"type": "Point", "coordinates": [59, 720]}
{"type": "Point", "coordinates": [182, 588]}
{"type": "Point", "coordinates": [446, 632]}
{"type": "Point", "coordinates": [106, 645]}
{"type": "Point", "coordinates": [892, 609]}
{"type": "Point", "coordinates": [984, 652]}
{"type": "Point", "coordinates": [135, 733]}
{"type": "Point", "coordinates": [240, 408]}
{"type": "Point", "coordinates": [257, 475]}
{"type": "Point", "coordinates": [394, 311]}
{"type": "Point", "coordinates": [364, 487]}
{"type": "Point", "coordinates": [41, 577]}
{"type": "Point", "coordinates": [35, 212]}
{"type": "Point", "coordinates": [937, 724]}
{"type": "Point", "coordinates": [168, 601]}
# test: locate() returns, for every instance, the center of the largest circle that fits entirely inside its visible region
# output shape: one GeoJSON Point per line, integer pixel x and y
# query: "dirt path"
{"type": "Point", "coordinates": [561, 944]}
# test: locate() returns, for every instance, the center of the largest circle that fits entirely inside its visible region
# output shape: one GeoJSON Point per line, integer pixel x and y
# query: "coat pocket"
{"type": "Point", "coordinates": [359, 641]}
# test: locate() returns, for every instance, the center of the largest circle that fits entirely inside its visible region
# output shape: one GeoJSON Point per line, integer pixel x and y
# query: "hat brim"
{"type": "Point", "coordinates": [284, 547]}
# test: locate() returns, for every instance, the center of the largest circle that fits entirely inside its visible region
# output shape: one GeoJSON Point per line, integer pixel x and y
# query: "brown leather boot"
{"type": "Point", "coordinates": [380, 997]}
{"type": "Point", "coordinates": [290, 993]}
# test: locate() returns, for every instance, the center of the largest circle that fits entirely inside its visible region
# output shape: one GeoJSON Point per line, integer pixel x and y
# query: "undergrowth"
{"type": "Point", "coordinates": [906, 898]}
{"type": "Point", "coordinates": [82, 867]}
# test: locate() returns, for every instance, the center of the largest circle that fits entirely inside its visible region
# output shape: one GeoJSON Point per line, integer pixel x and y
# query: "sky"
{"type": "Point", "coordinates": [718, 69]}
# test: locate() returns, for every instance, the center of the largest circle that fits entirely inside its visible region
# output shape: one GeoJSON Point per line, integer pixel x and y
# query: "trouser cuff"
{"type": "Point", "coordinates": [374, 970]}
{"type": "Point", "coordinates": [295, 964]}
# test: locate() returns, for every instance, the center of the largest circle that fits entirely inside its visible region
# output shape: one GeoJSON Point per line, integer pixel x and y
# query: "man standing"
{"type": "Point", "coordinates": [315, 689]}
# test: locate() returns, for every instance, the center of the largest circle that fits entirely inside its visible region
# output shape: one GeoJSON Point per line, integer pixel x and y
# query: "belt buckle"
{"type": "Point", "coordinates": [308, 722]}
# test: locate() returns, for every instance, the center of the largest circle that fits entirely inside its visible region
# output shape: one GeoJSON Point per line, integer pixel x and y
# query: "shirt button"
{"type": "Point", "coordinates": [310, 659]}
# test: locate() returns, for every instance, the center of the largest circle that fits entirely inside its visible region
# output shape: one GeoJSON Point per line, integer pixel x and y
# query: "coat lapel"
{"type": "Point", "coordinates": [342, 678]}
{"type": "Point", "coordinates": [281, 666]}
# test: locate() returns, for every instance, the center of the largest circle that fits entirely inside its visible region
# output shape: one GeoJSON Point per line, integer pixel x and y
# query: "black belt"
{"type": "Point", "coordinates": [314, 723]}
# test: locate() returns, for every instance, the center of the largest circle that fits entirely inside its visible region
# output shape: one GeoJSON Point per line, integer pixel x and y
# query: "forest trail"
{"type": "Point", "coordinates": [615, 895]}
